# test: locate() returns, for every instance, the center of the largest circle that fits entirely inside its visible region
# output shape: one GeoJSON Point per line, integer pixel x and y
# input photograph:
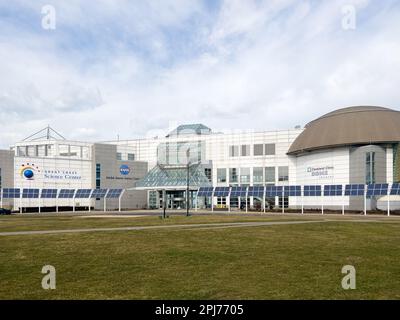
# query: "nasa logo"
{"type": "Point", "coordinates": [124, 170]}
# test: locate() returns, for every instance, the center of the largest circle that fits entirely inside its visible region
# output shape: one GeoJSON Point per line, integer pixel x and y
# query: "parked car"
{"type": "Point", "coordinates": [5, 211]}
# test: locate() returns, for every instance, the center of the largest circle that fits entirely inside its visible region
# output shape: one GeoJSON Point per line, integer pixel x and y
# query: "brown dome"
{"type": "Point", "coordinates": [349, 126]}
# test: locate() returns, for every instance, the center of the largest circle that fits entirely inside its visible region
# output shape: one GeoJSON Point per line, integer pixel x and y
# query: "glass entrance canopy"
{"type": "Point", "coordinates": [174, 177]}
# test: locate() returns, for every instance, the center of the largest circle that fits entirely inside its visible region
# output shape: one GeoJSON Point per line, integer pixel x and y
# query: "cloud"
{"type": "Point", "coordinates": [132, 68]}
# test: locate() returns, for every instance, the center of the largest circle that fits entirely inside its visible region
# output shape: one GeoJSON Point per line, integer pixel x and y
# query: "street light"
{"type": "Point", "coordinates": [187, 182]}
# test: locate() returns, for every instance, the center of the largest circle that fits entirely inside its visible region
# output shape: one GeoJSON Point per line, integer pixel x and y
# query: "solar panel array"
{"type": "Point", "coordinates": [239, 192]}
{"type": "Point", "coordinates": [377, 189]}
{"type": "Point", "coordinates": [292, 191]}
{"type": "Point", "coordinates": [66, 193]}
{"type": "Point", "coordinates": [256, 191]}
{"type": "Point", "coordinates": [354, 190]}
{"type": "Point", "coordinates": [99, 193]}
{"type": "Point", "coordinates": [333, 190]}
{"type": "Point", "coordinates": [221, 192]}
{"type": "Point", "coordinates": [11, 193]}
{"type": "Point", "coordinates": [395, 189]}
{"type": "Point", "coordinates": [273, 191]}
{"type": "Point", "coordinates": [312, 191]}
{"type": "Point", "coordinates": [83, 193]}
{"type": "Point", "coordinates": [205, 191]}
{"type": "Point", "coordinates": [114, 193]}
{"type": "Point", "coordinates": [30, 193]}
{"type": "Point", "coordinates": [49, 193]}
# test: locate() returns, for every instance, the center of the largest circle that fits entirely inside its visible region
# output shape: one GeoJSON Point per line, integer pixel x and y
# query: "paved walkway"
{"type": "Point", "coordinates": [200, 226]}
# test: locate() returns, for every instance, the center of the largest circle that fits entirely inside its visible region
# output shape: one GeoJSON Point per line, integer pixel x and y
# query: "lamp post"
{"type": "Point", "coordinates": [187, 182]}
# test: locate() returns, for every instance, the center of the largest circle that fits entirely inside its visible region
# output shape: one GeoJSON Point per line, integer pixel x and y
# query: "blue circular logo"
{"type": "Point", "coordinates": [28, 173]}
{"type": "Point", "coordinates": [124, 169]}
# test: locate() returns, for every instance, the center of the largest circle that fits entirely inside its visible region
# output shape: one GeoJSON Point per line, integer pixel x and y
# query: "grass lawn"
{"type": "Point", "coordinates": [299, 261]}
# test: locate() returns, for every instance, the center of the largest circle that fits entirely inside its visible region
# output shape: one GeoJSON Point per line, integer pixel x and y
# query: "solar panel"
{"type": "Point", "coordinates": [99, 193]}
{"type": "Point", "coordinates": [292, 191]}
{"type": "Point", "coordinates": [273, 191]}
{"type": "Point", "coordinates": [66, 193]}
{"type": "Point", "coordinates": [239, 191]}
{"type": "Point", "coordinates": [312, 191]}
{"type": "Point", "coordinates": [83, 193]}
{"type": "Point", "coordinates": [377, 189]}
{"type": "Point", "coordinates": [354, 190]}
{"type": "Point", "coordinates": [30, 193]}
{"type": "Point", "coordinates": [256, 191]}
{"type": "Point", "coordinates": [333, 190]}
{"type": "Point", "coordinates": [205, 191]}
{"type": "Point", "coordinates": [114, 193]}
{"type": "Point", "coordinates": [49, 193]}
{"type": "Point", "coordinates": [395, 189]}
{"type": "Point", "coordinates": [11, 193]}
{"type": "Point", "coordinates": [221, 192]}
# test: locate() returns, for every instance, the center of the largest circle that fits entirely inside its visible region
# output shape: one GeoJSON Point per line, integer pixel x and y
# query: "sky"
{"type": "Point", "coordinates": [133, 69]}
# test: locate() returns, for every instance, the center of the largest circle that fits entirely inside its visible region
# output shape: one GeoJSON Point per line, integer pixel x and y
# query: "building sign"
{"type": "Point", "coordinates": [61, 175]}
{"type": "Point", "coordinates": [28, 171]}
{"type": "Point", "coordinates": [124, 170]}
{"type": "Point", "coordinates": [321, 172]}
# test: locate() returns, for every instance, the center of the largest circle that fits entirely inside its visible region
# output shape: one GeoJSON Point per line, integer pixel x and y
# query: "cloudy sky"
{"type": "Point", "coordinates": [136, 68]}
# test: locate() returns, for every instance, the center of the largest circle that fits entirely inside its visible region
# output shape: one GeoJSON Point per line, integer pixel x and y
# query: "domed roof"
{"type": "Point", "coordinates": [349, 126]}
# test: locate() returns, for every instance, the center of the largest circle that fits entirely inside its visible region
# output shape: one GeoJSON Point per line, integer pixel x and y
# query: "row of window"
{"type": "Point", "coordinates": [48, 150]}
{"type": "Point", "coordinates": [130, 156]}
{"type": "Point", "coordinates": [260, 175]}
{"type": "Point", "coordinates": [262, 149]}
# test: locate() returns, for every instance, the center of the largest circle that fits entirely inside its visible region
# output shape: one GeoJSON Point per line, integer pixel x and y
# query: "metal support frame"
{"type": "Point", "coordinates": [302, 199]}
{"type": "Point", "coordinates": [212, 201]}
{"type": "Point", "coordinates": [119, 200]}
{"type": "Point", "coordinates": [283, 199]}
{"type": "Point", "coordinates": [343, 198]}
{"type": "Point", "coordinates": [264, 199]}
{"type": "Point", "coordinates": [365, 200]}
{"type": "Point", "coordinates": [196, 202]}
{"type": "Point", "coordinates": [322, 199]}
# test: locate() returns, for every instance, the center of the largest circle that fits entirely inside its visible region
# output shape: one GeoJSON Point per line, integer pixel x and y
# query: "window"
{"type": "Point", "coordinates": [270, 175]}
{"type": "Point", "coordinates": [98, 175]}
{"type": "Point", "coordinates": [283, 173]}
{"type": "Point", "coordinates": [258, 149]}
{"type": "Point", "coordinates": [245, 175]}
{"type": "Point", "coordinates": [63, 150]}
{"type": "Point", "coordinates": [233, 178]}
{"type": "Point", "coordinates": [85, 152]}
{"type": "Point", "coordinates": [221, 175]}
{"type": "Point", "coordinates": [270, 149]}
{"type": "Point", "coordinates": [131, 156]}
{"type": "Point", "coordinates": [30, 151]}
{"type": "Point", "coordinates": [40, 150]}
{"type": "Point", "coordinates": [233, 151]}
{"type": "Point", "coordinates": [48, 150]}
{"type": "Point", "coordinates": [258, 176]}
{"type": "Point", "coordinates": [21, 151]}
{"type": "Point", "coordinates": [208, 173]}
{"type": "Point", "coordinates": [245, 150]}
{"type": "Point", "coordinates": [370, 167]}
{"type": "Point", "coordinates": [119, 156]}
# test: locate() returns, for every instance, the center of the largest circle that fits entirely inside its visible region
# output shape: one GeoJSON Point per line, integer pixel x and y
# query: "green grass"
{"type": "Point", "coordinates": [264, 262]}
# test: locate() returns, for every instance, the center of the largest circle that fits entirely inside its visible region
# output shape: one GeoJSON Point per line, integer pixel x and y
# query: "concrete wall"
{"type": "Point", "coordinates": [7, 173]}
{"type": "Point", "coordinates": [111, 176]}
